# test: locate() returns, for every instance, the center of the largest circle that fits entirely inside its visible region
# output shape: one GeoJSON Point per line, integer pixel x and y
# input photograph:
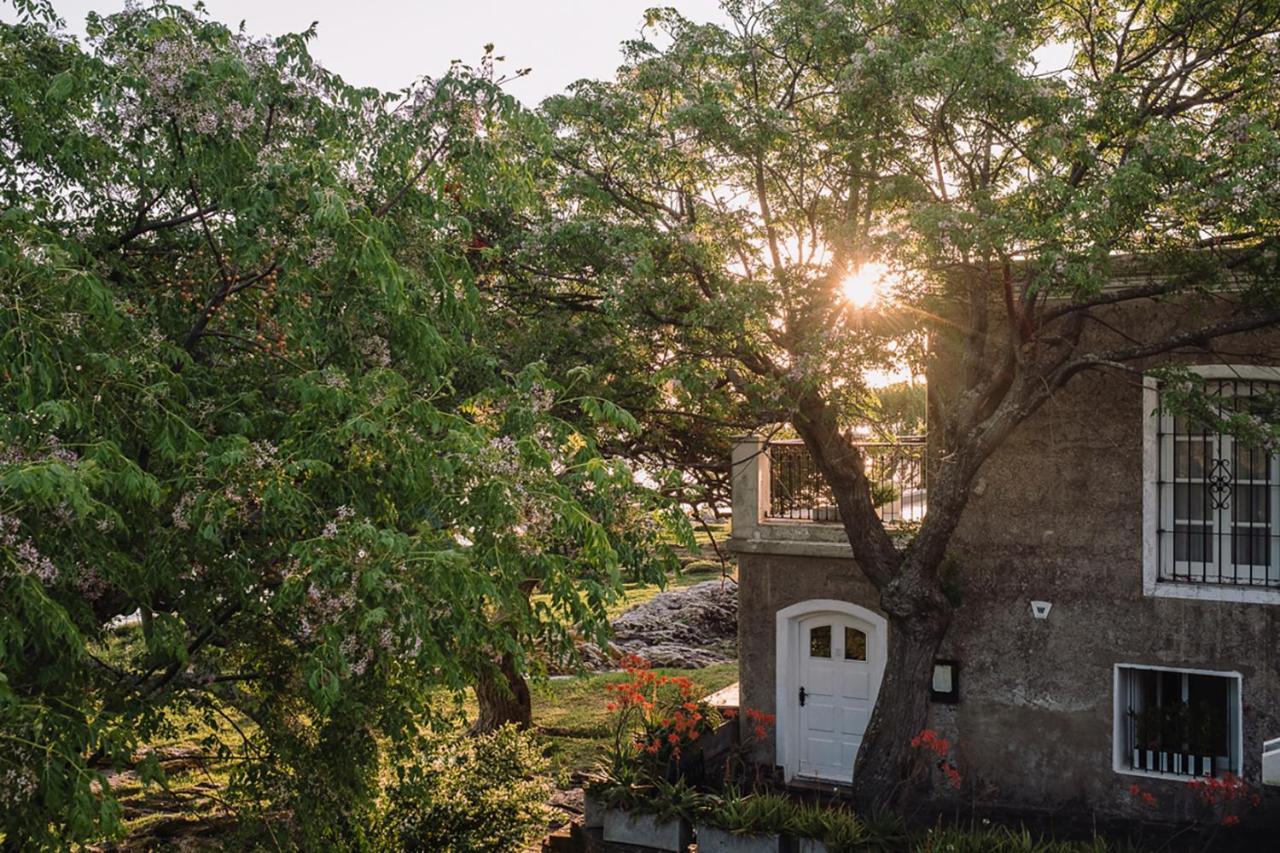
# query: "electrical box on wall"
{"type": "Point", "coordinates": [946, 682]}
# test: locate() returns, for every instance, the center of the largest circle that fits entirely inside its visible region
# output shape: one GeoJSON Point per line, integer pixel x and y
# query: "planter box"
{"type": "Point", "coordinates": [714, 840]}
{"type": "Point", "coordinates": [593, 810]}
{"type": "Point", "coordinates": [811, 845]}
{"type": "Point", "coordinates": [646, 830]}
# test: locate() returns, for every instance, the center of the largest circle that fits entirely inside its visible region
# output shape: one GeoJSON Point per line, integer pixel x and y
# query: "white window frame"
{"type": "Point", "coordinates": [1119, 712]}
{"type": "Point", "coordinates": [1152, 585]}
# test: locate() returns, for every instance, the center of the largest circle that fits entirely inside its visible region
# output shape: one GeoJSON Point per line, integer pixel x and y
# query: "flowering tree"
{"type": "Point", "coordinates": [246, 398]}
{"type": "Point", "coordinates": [718, 199]}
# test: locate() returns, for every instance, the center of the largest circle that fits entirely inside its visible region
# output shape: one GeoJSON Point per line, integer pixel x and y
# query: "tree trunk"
{"type": "Point", "coordinates": [504, 697]}
{"type": "Point", "coordinates": [886, 768]}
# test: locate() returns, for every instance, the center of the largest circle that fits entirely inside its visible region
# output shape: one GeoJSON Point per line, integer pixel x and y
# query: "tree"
{"type": "Point", "coordinates": [245, 397]}
{"type": "Point", "coordinates": [724, 187]}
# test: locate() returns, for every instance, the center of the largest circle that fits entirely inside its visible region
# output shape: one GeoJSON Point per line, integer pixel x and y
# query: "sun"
{"type": "Point", "coordinates": [866, 285]}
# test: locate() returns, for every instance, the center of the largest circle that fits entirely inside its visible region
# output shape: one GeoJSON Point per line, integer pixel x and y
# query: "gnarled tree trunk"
{"type": "Point", "coordinates": [919, 616]}
{"type": "Point", "coordinates": [504, 697]}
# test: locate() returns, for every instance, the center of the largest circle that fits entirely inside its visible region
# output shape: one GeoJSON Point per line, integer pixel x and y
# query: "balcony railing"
{"type": "Point", "coordinates": [798, 492]}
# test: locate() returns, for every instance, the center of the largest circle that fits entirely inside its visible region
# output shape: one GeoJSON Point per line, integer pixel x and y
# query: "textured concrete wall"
{"type": "Point", "coordinates": [766, 584]}
{"type": "Point", "coordinates": [1056, 515]}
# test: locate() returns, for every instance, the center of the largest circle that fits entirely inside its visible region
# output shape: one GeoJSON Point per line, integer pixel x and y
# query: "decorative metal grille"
{"type": "Point", "coordinates": [1219, 496]}
{"type": "Point", "coordinates": [797, 491]}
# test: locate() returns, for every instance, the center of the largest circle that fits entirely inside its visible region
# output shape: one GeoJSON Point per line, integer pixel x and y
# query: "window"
{"type": "Point", "coordinates": [855, 644]}
{"type": "Point", "coordinates": [1271, 762]}
{"type": "Point", "coordinates": [1214, 514]}
{"type": "Point", "coordinates": [1179, 723]}
{"type": "Point", "coordinates": [820, 642]}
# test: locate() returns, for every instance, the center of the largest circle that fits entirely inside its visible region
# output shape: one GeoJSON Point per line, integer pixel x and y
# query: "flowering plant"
{"type": "Point", "coordinates": [656, 717]}
{"type": "Point", "coordinates": [935, 746]}
{"type": "Point", "coordinates": [1224, 797]}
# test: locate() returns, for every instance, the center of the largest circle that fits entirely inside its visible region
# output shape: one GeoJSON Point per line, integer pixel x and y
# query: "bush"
{"type": "Point", "coordinates": [1001, 839]}
{"type": "Point", "coordinates": [753, 814]}
{"type": "Point", "coordinates": [838, 828]}
{"type": "Point", "coordinates": [486, 792]}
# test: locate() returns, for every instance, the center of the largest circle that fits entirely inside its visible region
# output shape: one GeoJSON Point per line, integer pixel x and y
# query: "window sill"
{"type": "Point", "coordinates": [1161, 777]}
{"type": "Point", "coordinates": [1212, 592]}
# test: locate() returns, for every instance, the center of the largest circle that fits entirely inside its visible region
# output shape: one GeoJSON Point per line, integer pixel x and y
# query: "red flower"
{"type": "Point", "coordinates": [760, 732]}
{"type": "Point", "coordinates": [1230, 820]}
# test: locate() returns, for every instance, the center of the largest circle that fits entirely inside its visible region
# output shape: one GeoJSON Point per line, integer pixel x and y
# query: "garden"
{"type": "Point", "coordinates": [345, 431]}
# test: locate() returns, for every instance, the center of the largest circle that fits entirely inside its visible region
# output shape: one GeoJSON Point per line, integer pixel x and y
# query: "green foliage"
{"type": "Point", "coordinates": [1001, 839]}
{"type": "Point", "coordinates": [476, 793]}
{"type": "Point", "coordinates": [752, 814]}
{"type": "Point", "coordinates": [251, 393]}
{"type": "Point", "coordinates": [838, 828]}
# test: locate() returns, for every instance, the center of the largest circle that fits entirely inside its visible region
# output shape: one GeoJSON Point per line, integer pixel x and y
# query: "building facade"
{"type": "Point", "coordinates": [1118, 570]}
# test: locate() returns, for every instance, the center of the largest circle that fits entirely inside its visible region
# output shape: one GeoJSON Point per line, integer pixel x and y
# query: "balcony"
{"type": "Point", "coordinates": [781, 504]}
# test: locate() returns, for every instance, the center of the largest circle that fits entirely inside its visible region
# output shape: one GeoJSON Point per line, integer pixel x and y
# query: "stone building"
{"type": "Point", "coordinates": [1119, 577]}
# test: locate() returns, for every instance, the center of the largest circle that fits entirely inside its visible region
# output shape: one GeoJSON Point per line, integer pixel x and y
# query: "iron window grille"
{"type": "Point", "coordinates": [1219, 497]}
{"type": "Point", "coordinates": [1179, 723]}
{"type": "Point", "coordinates": [798, 492]}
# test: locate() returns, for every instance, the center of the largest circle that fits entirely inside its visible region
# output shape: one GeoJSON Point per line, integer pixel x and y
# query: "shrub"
{"type": "Point", "coordinates": [753, 814]}
{"type": "Point", "coordinates": [838, 828]}
{"type": "Point", "coordinates": [486, 792]}
{"type": "Point", "coordinates": [1000, 839]}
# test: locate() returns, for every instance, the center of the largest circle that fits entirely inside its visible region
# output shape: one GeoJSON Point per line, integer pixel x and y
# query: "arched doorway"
{"type": "Point", "coordinates": [830, 662]}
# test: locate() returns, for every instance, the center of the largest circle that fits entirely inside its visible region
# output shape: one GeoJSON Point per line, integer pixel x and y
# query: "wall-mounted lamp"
{"type": "Point", "coordinates": [946, 682]}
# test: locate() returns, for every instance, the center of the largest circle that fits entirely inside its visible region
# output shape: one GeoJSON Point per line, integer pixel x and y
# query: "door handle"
{"type": "Point", "coordinates": [802, 696]}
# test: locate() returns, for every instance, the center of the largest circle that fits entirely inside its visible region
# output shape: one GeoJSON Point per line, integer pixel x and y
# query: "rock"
{"type": "Point", "coordinates": [685, 628]}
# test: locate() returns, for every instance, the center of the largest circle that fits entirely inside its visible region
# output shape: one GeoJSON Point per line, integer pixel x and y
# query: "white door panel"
{"type": "Point", "coordinates": [839, 692]}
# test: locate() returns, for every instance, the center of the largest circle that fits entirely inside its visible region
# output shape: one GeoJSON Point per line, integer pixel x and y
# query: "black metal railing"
{"type": "Point", "coordinates": [1219, 517]}
{"type": "Point", "coordinates": [797, 491]}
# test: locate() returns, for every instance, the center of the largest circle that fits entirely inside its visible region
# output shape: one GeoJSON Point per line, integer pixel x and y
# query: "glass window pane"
{"type": "Point", "coordinates": [820, 641]}
{"type": "Point", "coordinates": [1190, 502]}
{"type": "Point", "coordinates": [1251, 547]}
{"type": "Point", "coordinates": [1251, 505]}
{"type": "Point", "coordinates": [1251, 463]}
{"type": "Point", "coordinates": [1188, 459]}
{"type": "Point", "coordinates": [855, 644]}
{"type": "Point", "coordinates": [1191, 543]}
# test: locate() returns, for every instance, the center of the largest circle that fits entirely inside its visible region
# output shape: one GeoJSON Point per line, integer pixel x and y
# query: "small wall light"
{"type": "Point", "coordinates": [946, 682]}
{"type": "Point", "coordinates": [1040, 609]}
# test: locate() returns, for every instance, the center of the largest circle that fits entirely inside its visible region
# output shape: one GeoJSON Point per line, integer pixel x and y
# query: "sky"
{"type": "Point", "coordinates": [388, 44]}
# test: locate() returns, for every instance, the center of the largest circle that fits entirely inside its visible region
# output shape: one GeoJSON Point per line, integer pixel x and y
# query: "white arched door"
{"type": "Point", "coordinates": [832, 671]}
